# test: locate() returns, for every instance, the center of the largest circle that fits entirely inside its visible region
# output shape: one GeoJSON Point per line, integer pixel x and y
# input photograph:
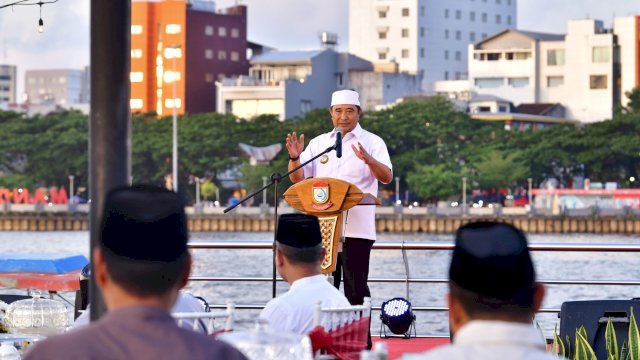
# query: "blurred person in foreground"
{"type": "Point", "coordinates": [140, 264]}
{"type": "Point", "coordinates": [493, 297]}
{"type": "Point", "coordinates": [299, 254]}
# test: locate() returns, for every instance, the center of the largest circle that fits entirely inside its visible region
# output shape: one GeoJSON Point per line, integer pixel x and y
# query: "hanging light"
{"type": "Point", "coordinates": [396, 314]}
{"type": "Point", "coordinates": [40, 22]}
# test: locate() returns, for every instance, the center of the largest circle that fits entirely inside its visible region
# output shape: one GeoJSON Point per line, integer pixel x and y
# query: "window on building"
{"type": "Point", "coordinates": [484, 36]}
{"type": "Point", "coordinates": [173, 28]}
{"type": "Point", "coordinates": [519, 82]}
{"type": "Point", "coordinates": [498, 2]}
{"type": "Point", "coordinates": [405, 53]}
{"type": "Point", "coordinates": [382, 56]}
{"type": "Point", "coordinates": [458, 56]}
{"type": "Point", "coordinates": [498, 19]}
{"type": "Point", "coordinates": [446, 33]}
{"type": "Point", "coordinates": [554, 81]}
{"type": "Point", "coordinates": [508, 19]}
{"type": "Point", "coordinates": [422, 31]}
{"type": "Point", "coordinates": [421, 10]}
{"type": "Point", "coordinates": [598, 82]}
{"type": "Point", "coordinates": [405, 33]}
{"type": "Point", "coordinates": [136, 53]}
{"type": "Point", "coordinates": [340, 79]}
{"type": "Point", "coordinates": [502, 109]}
{"type": "Point", "coordinates": [405, 12]}
{"type": "Point", "coordinates": [171, 76]}
{"type": "Point", "coordinates": [521, 55]}
{"type": "Point", "coordinates": [235, 56]}
{"type": "Point", "coordinates": [446, 13]}
{"type": "Point", "coordinates": [555, 57]}
{"type": "Point", "coordinates": [171, 103]}
{"type": "Point", "coordinates": [305, 106]}
{"type": "Point", "coordinates": [136, 76]}
{"type": "Point", "coordinates": [600, 54]}
{"type": "Point", "coordinates": [472, 16]}
{"type": "Point", "coordinates": [421, 52]}
{"type": "Point", "coordinates": [472, 36]}
{"type": "Point", "coordinates": [489, 82]}
{"type": "Point", "coordinates": [493, 56]}
{"type": "Point", "coordinates": [458, 35]}
{"type": "Point", "coordinates": [235, 33]}
{"type": "Point", "coordinates": [208, 30]}
{"type": "Point", "coordinates": [382, 34]}
{"type": "Point", "coordinates": [484, 17]}
{"type": "Point", "coordinates": [208, 54]}
{"type": "Point", "coordinates": [222, 55]}
{"type": "Point", "coordinates": [382, 14]}
{"type": "Point", "coordinates": [135, 104]}
{"type": "Point", "coordinates": [509, 2]}
{"type": "Point", "coordinates": [222, 31]}
{"type": "Point", "coordinates": [208, 77]}
{"type": "Point", "coordinates": [446, 75]}
{"type": "Point", "coordinates": [136, 29]}
{"type": "Point", "coordinates": [171, 53]}
{"type": "Point", "coordinates": [446, 54]}
{"type": "Point", "coordinates": [458, 14]}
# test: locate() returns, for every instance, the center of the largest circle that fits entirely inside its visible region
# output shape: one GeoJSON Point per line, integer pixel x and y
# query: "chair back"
{"type": "Point", "coordinates": [341, 333]}
{"type": "Point", "coordinates": [205, 322]}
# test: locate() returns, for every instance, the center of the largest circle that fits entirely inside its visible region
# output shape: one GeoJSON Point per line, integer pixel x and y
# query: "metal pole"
{"type": "Point", "coordinates": [464, 193]}
{"type": "Point", "coordinates": [197, 191]}
{"type": "Point", "coordinates": [529, 180]}
{"type": "Point", "coordinates": [71, 189]}
{"type": "Point", "coordinates": [264, 193]}
{"type": "Point", "coordinates": [397, 190]}
{"type": "Point", "coordinates": [110, 125]}
{"type": "Point", "coordinates": [175, 124]}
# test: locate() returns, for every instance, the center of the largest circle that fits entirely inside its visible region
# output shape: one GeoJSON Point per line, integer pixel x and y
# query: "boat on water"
{"type": "Point", "coordinates": [403, 279]}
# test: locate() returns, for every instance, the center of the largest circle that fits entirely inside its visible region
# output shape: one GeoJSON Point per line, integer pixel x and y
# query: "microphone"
{"type": "Point", "coordinates": [338, 143]}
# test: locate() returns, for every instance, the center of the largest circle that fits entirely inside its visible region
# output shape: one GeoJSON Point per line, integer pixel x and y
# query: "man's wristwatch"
{"type": "Point", "coordinates": [294, 159]}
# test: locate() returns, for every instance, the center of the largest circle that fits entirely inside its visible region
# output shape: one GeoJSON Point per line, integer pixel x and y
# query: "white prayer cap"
{"type": "Point", "coordinates": [345, 97]}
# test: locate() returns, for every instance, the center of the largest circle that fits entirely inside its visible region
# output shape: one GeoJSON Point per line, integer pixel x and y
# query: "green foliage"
{"type": "Point", "coordinates": [207, 189]}
{"type": "Point", "coordinates": [633, 106]}
{"type": "Point", "coordinates": [431, 143]}
{"type": "Point", "coordinates": [611, 341]}
{"type": "Point", "coordinates": [634, 338]}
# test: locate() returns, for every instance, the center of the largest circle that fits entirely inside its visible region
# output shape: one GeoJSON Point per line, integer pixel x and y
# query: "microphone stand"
{"type": "Point", "coordinates": [275, 180]}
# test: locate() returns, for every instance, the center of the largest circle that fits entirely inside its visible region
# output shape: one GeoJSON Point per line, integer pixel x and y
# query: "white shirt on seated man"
{"type": "Point", "coordinates": [299, 256]}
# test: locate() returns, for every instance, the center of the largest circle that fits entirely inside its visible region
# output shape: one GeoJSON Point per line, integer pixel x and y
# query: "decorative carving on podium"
{"type": "Point", "coordinates": [328, 229]}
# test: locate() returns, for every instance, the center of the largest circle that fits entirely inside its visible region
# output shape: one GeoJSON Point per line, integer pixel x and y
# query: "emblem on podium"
{"type": "Point", "coordinates": [321, 196]}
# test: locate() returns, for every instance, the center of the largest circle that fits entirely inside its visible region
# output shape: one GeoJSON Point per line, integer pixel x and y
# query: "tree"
{"type": "Point", "coordinates": [633, 106]}
{"type": "Point", "coordinates": [435, 181]}
{"type": "Point", "coordinates": [500, 170]}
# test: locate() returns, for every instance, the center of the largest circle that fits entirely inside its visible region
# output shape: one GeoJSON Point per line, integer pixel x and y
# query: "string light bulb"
{"type": "Point", "coordinates": [40, 22]}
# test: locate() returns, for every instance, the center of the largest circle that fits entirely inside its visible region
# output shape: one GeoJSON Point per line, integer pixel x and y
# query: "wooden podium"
{"type": "Point", "coordinates": [327, 199]}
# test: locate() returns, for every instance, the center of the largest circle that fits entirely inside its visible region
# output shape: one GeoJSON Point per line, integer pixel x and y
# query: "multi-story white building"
{"type": "Point", "coordinates": [57, 87]}
{"type": "Point", "coordinates": [425, 37]}
{"type": "Point", "coordinates": [7, 84]}
{"type": "Point", "coordinates": [587, 71]}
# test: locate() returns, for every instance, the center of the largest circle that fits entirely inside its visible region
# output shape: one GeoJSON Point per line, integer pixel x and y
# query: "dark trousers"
{"type": "Point", "coordinates": [353, 262]}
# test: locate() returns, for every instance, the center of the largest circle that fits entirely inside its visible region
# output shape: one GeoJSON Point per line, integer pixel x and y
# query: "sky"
{"type": "Point", "coordinates": [283, 24]}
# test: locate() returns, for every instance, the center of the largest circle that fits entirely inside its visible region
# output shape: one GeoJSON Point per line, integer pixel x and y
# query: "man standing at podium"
{"type": "Point", "coordinates": [365, 161]}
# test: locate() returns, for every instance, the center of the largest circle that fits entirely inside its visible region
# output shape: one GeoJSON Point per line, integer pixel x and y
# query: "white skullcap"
{"type": "Point", "coordinates": [345, 97]}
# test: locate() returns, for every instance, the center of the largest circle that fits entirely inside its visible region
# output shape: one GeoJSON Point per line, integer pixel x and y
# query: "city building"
{"type": "Point", "coordinates": [8, 81]}
{"type": "Point", "coordinates": [587, 71]}
{"type": "Point", "coordinates": [57, 87]}
{"type": "Point", "coordinates": [425, 37]}
{"type": "Point", "coordinates": [179, 49]}
{"type": "Point", "coordinates": [290, 83]}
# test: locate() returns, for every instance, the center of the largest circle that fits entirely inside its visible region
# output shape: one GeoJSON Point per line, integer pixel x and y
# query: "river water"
{"type": "Point", "coordinates": [384, 263]}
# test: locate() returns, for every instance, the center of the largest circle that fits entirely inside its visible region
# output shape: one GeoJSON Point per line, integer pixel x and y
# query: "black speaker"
{"type": "Point", "coordinates": [594, 315]}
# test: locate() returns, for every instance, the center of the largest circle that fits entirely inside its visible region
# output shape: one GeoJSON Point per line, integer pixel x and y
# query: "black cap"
{"type": "Point", "coordinates": [492, 259]}
{"type": "Point", "coordinates": [298, 230]}
{"type": "Point", "coordinates": [144, 223]}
